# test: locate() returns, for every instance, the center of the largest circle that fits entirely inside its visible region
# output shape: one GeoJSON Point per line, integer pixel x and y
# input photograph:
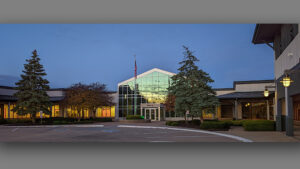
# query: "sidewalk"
{"type": "Point", "coordinates": [263, 136]}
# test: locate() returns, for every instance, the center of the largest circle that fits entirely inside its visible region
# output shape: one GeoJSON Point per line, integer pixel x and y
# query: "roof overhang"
{"type": "Point", "coordinates": [245, 95]}
{"type": "Point", "coordinates": [265, 33]}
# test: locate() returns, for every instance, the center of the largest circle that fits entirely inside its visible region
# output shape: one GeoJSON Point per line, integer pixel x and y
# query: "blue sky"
{"type": "Point", "coordinates": [103, 53]}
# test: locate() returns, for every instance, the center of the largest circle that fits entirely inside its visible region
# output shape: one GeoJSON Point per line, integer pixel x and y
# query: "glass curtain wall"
{"type": "Point", "coordinates": [150, 88]}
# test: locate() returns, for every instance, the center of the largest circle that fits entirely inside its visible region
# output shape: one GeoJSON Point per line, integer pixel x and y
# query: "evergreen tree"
{"type": "Point", "coordinates": [191, 88]}
{"type": "Point", "coordinates": [32, 95]}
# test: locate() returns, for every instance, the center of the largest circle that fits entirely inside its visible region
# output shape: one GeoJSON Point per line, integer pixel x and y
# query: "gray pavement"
{"type": "Point", "coordinates": [106, 132]}
{"type": "Point", "coordinates": [135, 132]}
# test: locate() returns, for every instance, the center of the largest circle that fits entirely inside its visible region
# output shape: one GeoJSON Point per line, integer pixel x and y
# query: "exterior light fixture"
{"type": "Point", "coordinates": [266, 93]}
{"type": "Point", "coordinates": [286, 81]}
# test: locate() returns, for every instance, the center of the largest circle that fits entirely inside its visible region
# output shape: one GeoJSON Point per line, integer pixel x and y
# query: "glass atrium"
{"type": "Point", "coordinates": [151, 87]}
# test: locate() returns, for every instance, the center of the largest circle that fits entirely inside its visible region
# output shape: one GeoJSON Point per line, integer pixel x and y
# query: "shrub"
{"type": "Point", "coordinates": [172, 123]}
{"type": "Point", "coordinates": [215, 125]}
{"type": "Point", "coordinates": [133, 117]}
{"type": "Point", "coordinates": [57, 122]}
{"type": "Point", "coordinates": [2, 121]}
{"type": "Point", "coordinates": [106, 119]}
{"type": "Point", "coordinates": [211, 120]}
{"type": "Point", "coordinates": [259, 125]}
{"type": "Point", "coordinates": [19, 121]}
{"type": "Point", "coordinates": [52, 119]}
{"type": "Point", "coordinates": [195, 122]}
{"type": "Point", "coordinates": [228, 122]}
{"type": "Point", "coordinates": [238, 122]}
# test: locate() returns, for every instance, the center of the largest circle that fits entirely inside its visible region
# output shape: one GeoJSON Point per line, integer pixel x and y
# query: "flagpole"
{"type": "Point", "coordinates": [135, 76]}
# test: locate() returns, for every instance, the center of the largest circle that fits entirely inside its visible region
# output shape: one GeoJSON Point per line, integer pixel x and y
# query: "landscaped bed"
{"type": "Point", "coordinates": [259, 125]}
{"type": "Point", "coordinates": [53, 121]}
{"type": "Point", "coordinates": [219, 125]}
{"type": "Point", "coordinates": [135, 119]}
{"type": "Point", "coordinates": [206, 125]}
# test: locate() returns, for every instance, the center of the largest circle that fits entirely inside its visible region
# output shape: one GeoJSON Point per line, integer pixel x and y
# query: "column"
{"type": "Point", "coordinates": [8, 114]}
{"type": "Point", "coordinates": [164, 113]}
{"type": "Point", "coordinates": [278, 115]}
{"type": "Point", "coordinates": [289, 125]}
{"type": "Point", "coordinates": [236, 109]}
{"type": "Point", "coordinates": [268, 110]}
{"type": "Point", "coordinates": [159, 113]}
{"type": "Point", "coordinates": [117, 106]}
{"type": "Point", "coordinates": [274, 108]}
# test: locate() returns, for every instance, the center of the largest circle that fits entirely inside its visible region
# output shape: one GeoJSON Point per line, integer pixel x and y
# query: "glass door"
{"type": "Point", "coordinates": [147, 113]}
{"type": "Point", "coordinates": [153, 114]}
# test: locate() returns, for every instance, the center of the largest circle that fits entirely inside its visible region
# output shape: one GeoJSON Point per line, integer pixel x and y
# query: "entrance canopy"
{"type": "Point", "coordinates": [153, 111]}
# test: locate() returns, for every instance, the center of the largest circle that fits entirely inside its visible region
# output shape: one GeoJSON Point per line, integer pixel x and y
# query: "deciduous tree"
{"type": "Point", "coordinates": [86, 97]}
{"type": "Point", "coordinates": [97, 96]}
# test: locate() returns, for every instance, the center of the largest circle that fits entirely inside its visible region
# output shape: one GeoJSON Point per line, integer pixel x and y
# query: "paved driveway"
{"type": "Point", "coordinates": [110, 132]}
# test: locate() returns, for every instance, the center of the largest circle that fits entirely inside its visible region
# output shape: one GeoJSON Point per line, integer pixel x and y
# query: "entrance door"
{"type": "Point", "coordinates": [296, 108]}
{"type": "Point", "coordinates": [151, 114]}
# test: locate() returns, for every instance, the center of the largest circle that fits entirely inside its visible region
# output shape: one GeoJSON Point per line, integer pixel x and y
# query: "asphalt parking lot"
{"type": "Point", "coordinates": [110, 132]}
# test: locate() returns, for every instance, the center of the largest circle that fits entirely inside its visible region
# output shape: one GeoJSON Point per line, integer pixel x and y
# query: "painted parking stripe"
{"type": "Point", "coordinates": [191, 130]}
{"type": "Point", "coordinates": [14, 130]}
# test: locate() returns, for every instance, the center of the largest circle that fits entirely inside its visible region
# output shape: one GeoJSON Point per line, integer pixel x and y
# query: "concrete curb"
{"type": "Point", "coordinates": [192, 130]}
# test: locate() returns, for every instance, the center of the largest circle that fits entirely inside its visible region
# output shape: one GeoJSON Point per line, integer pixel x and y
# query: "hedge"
{"type": "Point", "coordinates": [20, 121]}
{"type": "Point", "coordinates": [105, 119]}
{"type": "Point", "coordinates": [195, 122]}
{"type": "Point", "coordinates": [2, 121]}
{"type": "Point", "coordinates": [134, 117]}
{"type": "Point", "coordinates": [55, 120]}
{"type": "Point", "coordinates": [238, 122]}
{"type": "Point", "coordinates": [215, 125]}
{"type": "Point", "coordinates": [172, 123]}
{"type": "Point", "coordinates": [259, 125]}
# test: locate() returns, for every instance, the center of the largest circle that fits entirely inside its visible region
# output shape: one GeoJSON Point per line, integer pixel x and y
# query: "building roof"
{"type": "Point", "coordinates": [243, 95]}
{"type": "Point", "coordinates": [244, 82]}
{"type": "Point", "coordinates": [252, 82]}
{"type": "Point", "coordinates": [146, 73]}
{"type": "Point", "coordinates": [264, 33]}
{"type": "Point", "coordinates": [12, 98]}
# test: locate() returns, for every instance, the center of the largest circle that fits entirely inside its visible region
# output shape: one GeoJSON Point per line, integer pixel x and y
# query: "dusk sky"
{"type": "Point", "coordinates": [104, 53]}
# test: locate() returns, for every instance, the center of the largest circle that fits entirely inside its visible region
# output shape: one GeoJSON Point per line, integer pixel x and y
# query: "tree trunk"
{"type": "Point", "coordinates": [82, 113]}
{"type": "Point", "coordinates": [78, 114]}
{"type": "Point", "coordinates": [94, 114]}
{"type": "Point", "coordinates": [201, 118]}
{"type": "Point", "coordinates": [33, 118]}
